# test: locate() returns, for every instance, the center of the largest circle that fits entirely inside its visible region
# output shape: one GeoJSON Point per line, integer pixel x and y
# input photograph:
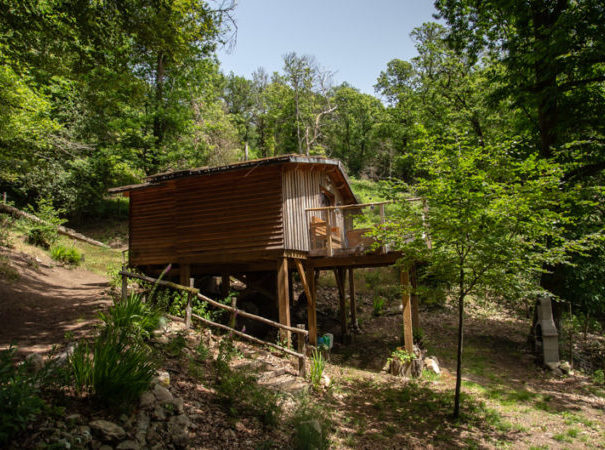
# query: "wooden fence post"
{"type": "Point", "coordinates": [124, 284]}
{"type": "Point", "coordinates": [188, 307]}
{"type": "Point", "coordinates": [302, 349]}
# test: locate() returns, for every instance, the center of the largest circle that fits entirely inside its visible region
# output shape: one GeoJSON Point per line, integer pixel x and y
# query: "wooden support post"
{"type": "Point", "coordinates": [302, 349]}
{"type": "Point", "coordinates": [311, 306]}
{"type": "Point", "coordinates": [342, 310]}
{"type": "Point", "coordinates": [414, 298]}
{"type": "Point", "coordinates": [124, 284]}
{"type": "Point", "coordinates": [283, 300]}
{"type": "Point", "coordinates": [329, 233]}
{"type": "Point", "coordinates": [354, 323]}
{"type": "Point", "coordinates": [184, 274]}
{"type": "Point", "coordinates": [188, 308]}
{"type": "Point", "coordinates": [408, 337]}
{"type": "Point", "coordinates": [225, 285]}
{"type": "Point", "coordinates": [383, 248]}
{"type": "Point", "coordinates": [233, 317]}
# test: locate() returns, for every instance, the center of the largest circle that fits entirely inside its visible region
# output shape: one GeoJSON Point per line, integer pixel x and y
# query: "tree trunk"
{"type": "Point", "coordinates": [460, 343]}
{"type": "Point", "coordinates": [158, 125]}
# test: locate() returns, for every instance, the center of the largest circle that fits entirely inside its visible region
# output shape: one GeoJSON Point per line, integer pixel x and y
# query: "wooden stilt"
{"type": "Point", "coordinates": [283, 299]}
{"type": "Point", "coordinates": [414, 298]}
{"type": "Point", "coordinates": [184, 274]}
{"type": "Point", "coordinates": [311, 306]}
{"type": "Point", "coordinates": [408, 339]}
{"type": "Point", "coordinates": [352, 300]}
{"type": "Point", "coordinates": [188, 308]}
{"type": "Point", "coordinates": [340, 282]}
{"type": "Point", "coordinates": [225, 285]}
{"type": "Point", "coordinates": [302, 349]}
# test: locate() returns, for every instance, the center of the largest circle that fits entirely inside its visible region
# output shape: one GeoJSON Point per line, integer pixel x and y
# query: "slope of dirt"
{"type": "Point", "coordinates": [46, 301]}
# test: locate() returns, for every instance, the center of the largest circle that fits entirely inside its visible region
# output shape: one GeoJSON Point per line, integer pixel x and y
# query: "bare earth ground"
{"type": "Point", "coordinates": [47, 302]}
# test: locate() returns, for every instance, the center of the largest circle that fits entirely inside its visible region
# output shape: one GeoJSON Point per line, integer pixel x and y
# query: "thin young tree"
{"type": "Point", "coordinates": [490, 216]}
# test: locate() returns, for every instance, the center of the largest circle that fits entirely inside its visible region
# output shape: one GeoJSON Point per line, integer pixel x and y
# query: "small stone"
{"type": "Point", "coordinates": [325, 380]}
{"type": "Point", "coordinates": [73, 417]}
{"type": "Point", "coordinates": [160, 338]}
{"type": "Point", "coordinates": [162, 394]}
{"type": "Point", "coordinates": [159, 413]}
{"type": "Point", "coordinates": [108, 430]}
{"type": "Point", "coordinates": [85, 433]}
{"type": "Point", "coordinates": [179, 404]}
{"type": "Point", "coordinates": [565, 367]}
{"type": "Point", "coordinates": [142, 422]}
{"type": "Point", "coordinates": [128, 445]}
{"type": "Point", "coordinates": [431, 365]}
{"type": "Point", "coordinates": [36, 361]}
{"type": "Point", "coordinates": [163, 378]}
{"type": "Point", "coordinates": [239, 426]}
{"type": "Point", "coordinates": [180, 420]}
{"type": "Point", "coordinates": [146, 400]}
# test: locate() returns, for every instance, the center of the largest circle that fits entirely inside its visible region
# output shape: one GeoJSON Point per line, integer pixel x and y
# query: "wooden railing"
{"type": "Point", "coordinates": [331, 228]}
{"type": "Point", "coordinates": [300, 330]}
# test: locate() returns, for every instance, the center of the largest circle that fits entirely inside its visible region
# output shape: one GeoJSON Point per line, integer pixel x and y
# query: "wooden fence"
{"type": "Point", "coordinates": [300, 330]}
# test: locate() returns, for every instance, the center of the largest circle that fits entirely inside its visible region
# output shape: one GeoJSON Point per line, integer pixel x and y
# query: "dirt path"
{"type": "Point", "coordinates": [46, 302]}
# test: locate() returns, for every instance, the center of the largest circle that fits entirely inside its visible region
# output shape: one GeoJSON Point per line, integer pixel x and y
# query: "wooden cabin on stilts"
{"type": "Point", "coordinates": [259, 221]}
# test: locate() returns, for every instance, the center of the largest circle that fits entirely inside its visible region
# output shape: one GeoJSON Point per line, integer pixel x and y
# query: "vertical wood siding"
{"type": "Point", "coordinates": [302, 190]}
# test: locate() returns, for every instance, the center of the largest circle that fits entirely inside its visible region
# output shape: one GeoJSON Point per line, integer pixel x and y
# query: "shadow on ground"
{"type": "Point", "coordinates": [45, 303]}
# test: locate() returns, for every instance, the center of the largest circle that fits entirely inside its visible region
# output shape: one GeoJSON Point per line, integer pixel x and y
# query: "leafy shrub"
{"type": "Point", "coordinates": [5, 223]}
{"type": "Point", "coordinates": [117, 371]}
{"type": "Point", "coordinates": [20, 402]}
{"type": "Point", "coordinates": [133, 317]}
{"type": "Point", "coordinates": [598, 377]}
{"type": "Point", "coordinates": [378, 306]}
{"type": "Point", "coordinates": [68, 255]}
{"type": "Point", "coordinates": [401, 355]}
{"type": "Point", "coordinates": [45, 234]}
{"type": "Point", "coordinates": [318, 364]}
{"type": "Point", "coordinates": [311, 426]}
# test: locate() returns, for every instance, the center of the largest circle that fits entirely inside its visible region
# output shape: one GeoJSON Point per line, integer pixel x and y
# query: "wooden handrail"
{"type": "Point", "coordinates": [197, 293]}
{"type": "Point", "coordinates": [363, 205]}
{"type": "Point", "coordinates": [239, 312]}
{"type": "Point", "coordinates": [247, 336]}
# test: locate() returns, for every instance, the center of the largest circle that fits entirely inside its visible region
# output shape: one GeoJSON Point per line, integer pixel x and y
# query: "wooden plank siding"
{"type": "Point", "coordinates": [152, 231]}
{"type": "Point", "coordinates": [193, 218]}
{"type": "Point", "coordinates": [302, 190]}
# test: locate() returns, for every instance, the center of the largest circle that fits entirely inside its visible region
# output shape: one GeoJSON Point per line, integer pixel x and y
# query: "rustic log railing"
{"type": "Point", "coordinates": [302, 333]}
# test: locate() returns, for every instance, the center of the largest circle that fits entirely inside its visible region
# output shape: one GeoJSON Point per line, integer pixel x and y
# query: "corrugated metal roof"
{"type": "Point", "coordinates": [282, 159]}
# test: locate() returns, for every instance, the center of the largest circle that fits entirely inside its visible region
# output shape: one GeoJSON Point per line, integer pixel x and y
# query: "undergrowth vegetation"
{"type": "Point", "coordinates": [239, 392]}
{"type": "Point", "coordinates": [67, 255]}
{"type": "Point", "coordinates": [20, 400]}
{"type": "Point", "coordinates": [118, 366]}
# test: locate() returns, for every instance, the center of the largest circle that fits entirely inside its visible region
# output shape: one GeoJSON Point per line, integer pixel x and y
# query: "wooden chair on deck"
{"type": "Point", "coordinates": [319, 235]}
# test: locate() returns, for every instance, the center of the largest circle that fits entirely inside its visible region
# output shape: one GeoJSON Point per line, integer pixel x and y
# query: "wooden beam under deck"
{"type": "Point", "coordinates": [354, 261]}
